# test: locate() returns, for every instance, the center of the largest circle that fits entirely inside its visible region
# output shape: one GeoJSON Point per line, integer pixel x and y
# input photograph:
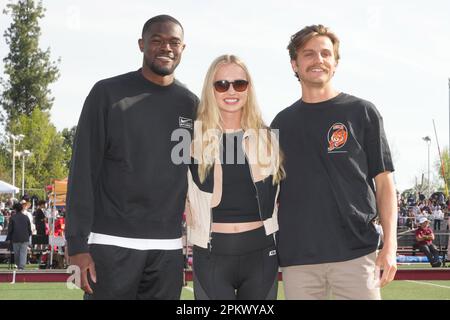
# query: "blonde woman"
{"type": "Point", "coordinates": [233, 185]}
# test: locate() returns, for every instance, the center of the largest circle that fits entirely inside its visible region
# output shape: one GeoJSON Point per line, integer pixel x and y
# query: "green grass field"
{"type": "Point", "coordinates": [5, 267]}
{"type": "Point", "coordinates": [397, 290]}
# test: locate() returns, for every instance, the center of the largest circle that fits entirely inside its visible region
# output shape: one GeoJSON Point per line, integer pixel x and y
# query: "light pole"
{"type": "Point", "coordinates": [18, 137]}
{"type": "Point", "coordinates": [24, 154]}
{"type": "Point", "coordinates": [427, 139]}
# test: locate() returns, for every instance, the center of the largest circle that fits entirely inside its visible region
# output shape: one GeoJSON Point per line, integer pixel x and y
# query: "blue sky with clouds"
{"type": "Point", "coordinates": [395, 54]}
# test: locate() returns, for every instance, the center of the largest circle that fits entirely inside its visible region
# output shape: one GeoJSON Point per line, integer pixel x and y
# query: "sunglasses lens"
{"type": "Point", "coordinates": [221, 86]}
{"type": "Point", "coordinates": [224, 85]}
{"type": "Point", "coordinates": [240, 85]}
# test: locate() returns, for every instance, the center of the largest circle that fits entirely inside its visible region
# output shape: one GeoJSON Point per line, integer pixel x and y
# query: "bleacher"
{"type": "Point", "coordinates": [406, 242]}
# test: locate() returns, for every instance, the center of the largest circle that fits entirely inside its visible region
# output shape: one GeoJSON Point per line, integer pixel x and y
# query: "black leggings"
{"type": "Point", "coordinates": [237, 266]}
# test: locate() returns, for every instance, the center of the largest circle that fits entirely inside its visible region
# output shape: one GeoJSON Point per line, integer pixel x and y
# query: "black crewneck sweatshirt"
{"type": "Point", "coordinates": [122, 179]}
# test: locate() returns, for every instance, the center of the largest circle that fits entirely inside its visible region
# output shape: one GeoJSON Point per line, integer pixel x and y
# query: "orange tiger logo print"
{"type": "Point", "coordinates": [337, 136]}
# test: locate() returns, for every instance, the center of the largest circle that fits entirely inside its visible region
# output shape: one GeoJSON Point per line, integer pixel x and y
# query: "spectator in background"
{"type": "Point", "coordinates": [10, 203]}
{"type": "Point", "coordinates": [411, 218]}
{"type": "Point", "coordinates": [421, 197]}
{"type": "Point", "coordinates": [424, 238]}
{"type": "Point", "coordinates": [40, 222]}
{"type": "Point", "coordinates": [2, 220]}
{"type": "Point", "coordinates": [60, 225]}
{"type": "Point", "coordinates": [411, 200]}
{"type": "Point", "coordinates": [438, 217]}
{"type": "Point", "coordinates": [6, 214]}
{"type": "Point", "coordinates": [441, 198]}
{"type": "Point", "coordinates": [39, 218]}
{"type": "Point", "coordinates": [379, 228]}
{"type": "Point", "coordinates": [448, 223]}
{"type": "Point", "coordinates": [425, 206]}
{"type": "Point", "coordinates": [59, 232]}
{"type": "Point", "coordinates": [448, 244]}
{"type": "Point", "coordinates": [26, 204]}
{"type": "Point", "coordinates": [402, 214]}
{"type": "Point", "coordinates": [422, 214]}
{"type": "Point", "coordinates": [19, 232]}
{"type": "Point", "coordinates": [416, 208]}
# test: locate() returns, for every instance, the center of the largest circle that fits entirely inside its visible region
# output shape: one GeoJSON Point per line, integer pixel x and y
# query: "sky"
{"type": "Point", "coordinates": [395, 54]}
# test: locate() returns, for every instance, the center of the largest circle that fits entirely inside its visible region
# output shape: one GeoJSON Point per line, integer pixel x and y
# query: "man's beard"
{"type": "Point", "coordinates": [160, 70]}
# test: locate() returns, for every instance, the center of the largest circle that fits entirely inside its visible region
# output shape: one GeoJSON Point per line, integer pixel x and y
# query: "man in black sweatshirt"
{"type": "Point", "coordinates": [126, 194]}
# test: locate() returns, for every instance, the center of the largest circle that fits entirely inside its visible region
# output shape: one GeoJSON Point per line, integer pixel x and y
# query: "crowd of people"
{"type": "Point", "coordinates": [425, 216]}
{"type": "Point", "coordinates": [27, 223]}
{"type": "Point", "coordinates": [412, 208]}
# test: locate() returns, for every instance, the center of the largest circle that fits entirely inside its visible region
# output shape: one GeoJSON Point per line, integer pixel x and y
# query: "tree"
{"type": "Point", "coordinates": [28, 68]}
{"type": "Point", "coordinates": [69, 137]}
{"type": "Point", "coordinates": [5, 172]}
{"type": "Point", "coordinates": [26, 100]}
{"type": "Point", "coordinates": [446, 164]}
{"type": "Point", "coordinates": [47, 160]}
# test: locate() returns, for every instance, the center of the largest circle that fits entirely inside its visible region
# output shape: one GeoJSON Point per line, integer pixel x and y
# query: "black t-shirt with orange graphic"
{"type": "Point", "coordinates": [333, 150]}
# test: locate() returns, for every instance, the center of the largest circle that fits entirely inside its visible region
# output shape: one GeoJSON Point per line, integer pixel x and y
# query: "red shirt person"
{"type": "Point", "coordinates": [59, 226]}
{"type": "Point", "coordinates": [424, 238]}
{"type": "Point", "coordinates": [424, 234]}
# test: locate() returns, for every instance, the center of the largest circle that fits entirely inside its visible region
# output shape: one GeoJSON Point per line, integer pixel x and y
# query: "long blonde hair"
{"type": "Point", "coordinates": [209, 116]}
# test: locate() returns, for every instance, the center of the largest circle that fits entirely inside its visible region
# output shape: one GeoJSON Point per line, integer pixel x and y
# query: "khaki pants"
{"type": "Point", "coordinates": [349, 280]}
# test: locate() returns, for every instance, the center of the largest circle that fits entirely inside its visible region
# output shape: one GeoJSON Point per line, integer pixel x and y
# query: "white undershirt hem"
{"type": "Point", "coordinates": [136, 243]}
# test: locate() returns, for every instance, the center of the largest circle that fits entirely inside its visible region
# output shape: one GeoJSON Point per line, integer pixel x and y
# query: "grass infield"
{"type": "Point", "coordinates": [397, 290]}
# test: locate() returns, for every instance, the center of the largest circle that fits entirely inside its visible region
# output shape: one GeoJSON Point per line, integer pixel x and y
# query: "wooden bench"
{"type": "Point", "coordinates": [407, 244]}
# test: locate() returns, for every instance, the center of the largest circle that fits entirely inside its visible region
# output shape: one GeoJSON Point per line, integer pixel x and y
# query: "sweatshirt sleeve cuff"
{"type": "Point", "coordinates": [76, 245]}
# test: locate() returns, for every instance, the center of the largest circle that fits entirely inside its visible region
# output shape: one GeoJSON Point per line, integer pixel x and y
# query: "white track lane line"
{"type": "Point", "coordinates": [188, 288]}
{"type": "Point", "coordinates": [429, 284]}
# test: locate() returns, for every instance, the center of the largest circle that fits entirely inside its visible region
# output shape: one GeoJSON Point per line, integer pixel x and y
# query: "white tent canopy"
{"type": "Point", "coordinates": [7, 188]}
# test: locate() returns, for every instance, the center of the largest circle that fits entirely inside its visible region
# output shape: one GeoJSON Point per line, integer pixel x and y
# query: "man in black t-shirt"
{"type": "Point", "coordinates": [336, 156]}
{"type": "Point", "coordinates": [126, 193]}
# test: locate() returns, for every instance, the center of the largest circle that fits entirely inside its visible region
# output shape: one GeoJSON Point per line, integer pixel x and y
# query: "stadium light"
{"type": "Point", "coordinates": [14, 138]}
